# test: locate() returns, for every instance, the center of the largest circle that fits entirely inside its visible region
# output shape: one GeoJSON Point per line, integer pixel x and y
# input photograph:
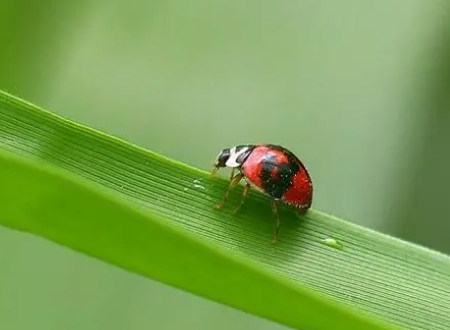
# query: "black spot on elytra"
{"type": "Point", "coordinates": [276, 176]}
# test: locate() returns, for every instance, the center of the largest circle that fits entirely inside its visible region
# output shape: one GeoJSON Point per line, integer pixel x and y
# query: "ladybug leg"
{"type": "Point", "coordinates": [233, 183]}
{"type": "Point", "coordinates": [301, 211]}
{"type": "Point", "coordinates": [277, 218]}
{"type": "Point", "coordinates": [244, 195]}
{"type": "Point", "coordinates": [232, 174]}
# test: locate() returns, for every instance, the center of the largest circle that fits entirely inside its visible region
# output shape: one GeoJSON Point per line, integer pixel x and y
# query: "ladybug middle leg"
{"type": "Point", "coordinates": [244, 195]}
{"type": "Point", "coordinates": [234, 181]}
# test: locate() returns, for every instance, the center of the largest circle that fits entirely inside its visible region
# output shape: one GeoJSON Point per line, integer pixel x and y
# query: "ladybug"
{"type": "Point", "coordinates": [271, 169]}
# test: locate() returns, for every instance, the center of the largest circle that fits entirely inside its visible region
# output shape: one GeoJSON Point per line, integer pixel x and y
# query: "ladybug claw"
{"type": "Point", "coordinates": [236, 210]}
{"type": "Point", "coordinates": [219, 206]}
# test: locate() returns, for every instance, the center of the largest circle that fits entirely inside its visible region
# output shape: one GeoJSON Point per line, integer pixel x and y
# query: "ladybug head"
{"type": "Point", "coordinates": [232, 157]}
{"type": "Point", "coordinates": [222, 158]}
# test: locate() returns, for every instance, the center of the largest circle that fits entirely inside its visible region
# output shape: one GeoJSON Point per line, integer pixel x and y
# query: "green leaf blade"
{"type": "Point", "coordinates": [323, 287]}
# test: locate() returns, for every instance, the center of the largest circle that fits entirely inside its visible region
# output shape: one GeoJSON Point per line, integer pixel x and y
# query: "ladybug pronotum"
{"type": "Point", "coordinates": [271, 169]}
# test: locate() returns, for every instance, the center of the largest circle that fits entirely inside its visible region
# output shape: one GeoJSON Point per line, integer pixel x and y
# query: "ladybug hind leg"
{"type": "Point", "coordinates": [301, 211]}
{"type": "Point", "coordinates": [234, 181]}
{"type": "Point", "coordinates": [277, 219]}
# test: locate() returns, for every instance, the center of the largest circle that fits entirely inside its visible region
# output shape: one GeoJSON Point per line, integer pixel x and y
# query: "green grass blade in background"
{"type": "Point", "coordinates": [155, 216]}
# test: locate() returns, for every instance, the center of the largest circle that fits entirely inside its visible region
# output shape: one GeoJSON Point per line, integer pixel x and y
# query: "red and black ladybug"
{"type": "Point", "coordinates": [271, 169]}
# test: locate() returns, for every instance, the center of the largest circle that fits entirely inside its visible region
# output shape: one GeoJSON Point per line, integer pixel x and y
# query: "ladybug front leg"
{"type": "Point", "coordinates": [244, 195]}
{"type": "Point", "coordinates": [233, 183]}
{"type": "Point", "coordinates": [277, 218]}
{"type": "Point", "coordinates": [232, 174]}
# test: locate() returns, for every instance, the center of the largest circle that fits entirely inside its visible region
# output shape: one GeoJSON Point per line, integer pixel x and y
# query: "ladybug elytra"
{"type": "Point", "coordinates": [271, 169]}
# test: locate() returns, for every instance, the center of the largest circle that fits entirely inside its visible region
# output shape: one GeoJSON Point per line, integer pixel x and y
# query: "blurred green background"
{"type": "Point", "coordinates": [358, 89]}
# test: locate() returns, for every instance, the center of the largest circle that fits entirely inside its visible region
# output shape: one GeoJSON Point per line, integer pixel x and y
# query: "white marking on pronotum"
{"type": "Point", "coordinates": [232, 160]}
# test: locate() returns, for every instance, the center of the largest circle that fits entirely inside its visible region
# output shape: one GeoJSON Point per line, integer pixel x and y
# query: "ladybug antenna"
{"type": "Point", "coordinates": [214, 170]}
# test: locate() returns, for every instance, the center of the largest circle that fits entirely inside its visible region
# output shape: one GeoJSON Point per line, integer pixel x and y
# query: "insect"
{"type": "Point", "coordinates": [271, 169]}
